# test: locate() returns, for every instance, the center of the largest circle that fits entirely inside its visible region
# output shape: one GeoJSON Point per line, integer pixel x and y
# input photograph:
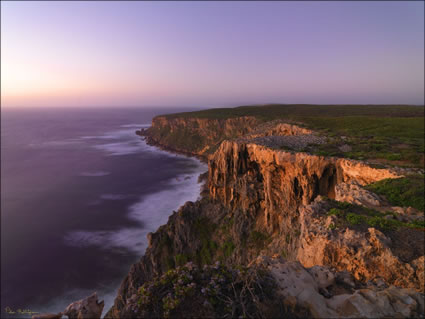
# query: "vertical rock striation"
{"type": "Point", "coordinates": [197, 136]}
{"type": "Point", "coordinates": [274, 183]}
{"type": "Point", "coordinates": [266, 201]}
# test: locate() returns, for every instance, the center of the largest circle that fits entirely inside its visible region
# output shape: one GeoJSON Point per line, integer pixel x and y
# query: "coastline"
{"type": "Point", "coordinates": [191, 187]}
{"type": "Point", "coordinates": [238, 225]}
{"type": "Point", "coordinates": [150, 141]}
{"type": "Point", "coordinates": [177, 184]}
{"type": "Point", "coordinates": [235, 221]}
{"type": "Point", "coordinates": [194, 180]}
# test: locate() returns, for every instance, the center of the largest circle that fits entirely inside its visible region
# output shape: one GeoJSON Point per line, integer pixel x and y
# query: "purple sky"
{"type": "Point", "coordinates": [211, 53]}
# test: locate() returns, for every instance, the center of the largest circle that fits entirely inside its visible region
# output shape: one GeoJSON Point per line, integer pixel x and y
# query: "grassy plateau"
{"type": "Point", "coordinates": [381, 134]}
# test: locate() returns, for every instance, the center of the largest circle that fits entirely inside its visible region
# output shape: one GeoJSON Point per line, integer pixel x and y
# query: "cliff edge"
{"type": "Point", "coordinates": [269, 195]}
{"type": "Point", "coordinates": [295, 220]}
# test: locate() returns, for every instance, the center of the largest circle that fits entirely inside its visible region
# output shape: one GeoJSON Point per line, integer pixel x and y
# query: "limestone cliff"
{"type": "Point", "coordinates": [263, 200]}
{"type": "Point", "coordinates": [324, 293]}
{"type": "Point", "coordinates": [197, 136]}
{"type": "Point", "coordinates": [253, 177]}
{"type": "Point", "coordinates": [276, 188]}
{"type": "Point", "coordinates": [395, 256]}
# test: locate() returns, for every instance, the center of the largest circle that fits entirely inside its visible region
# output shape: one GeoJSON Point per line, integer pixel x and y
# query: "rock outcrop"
{"type": "Point", "coordinates": [253, 177]}
{"type": "Point", "coordinates": [266, 201]}
{"type": "Point", "coordinates": [324, 293]}
{"type": "Point", "coordinates": [202, 136]}
{"type": "Point", "coordinates": [367, 254]}
{"type": "Point", "coordinates": [197, 136]}
{"type": "Point", "coordinates": [87, 308]}
{"type": "Point", "coordinates": [278, 128]}
{"type": "Point", "coordinates": [353, 193]}
{"type": "Point", "coordinates": [285, 289]}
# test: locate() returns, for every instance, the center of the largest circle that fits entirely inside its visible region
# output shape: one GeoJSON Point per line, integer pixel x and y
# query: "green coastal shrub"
{"type": "Point", "coordinates": [336, 212]}
{"type": "Point", "coordinates": [405, 191]}
{"type": "Point", "coordinates": [208, 246]}
{"type": "Point", "coordinates": [215, 291]}
{"type": "Point", "coordinates": [355, 219]}
{"type": "Point", "coordinates": [228, 248]}
{"type": "Point", "coordinates": [350, 214]}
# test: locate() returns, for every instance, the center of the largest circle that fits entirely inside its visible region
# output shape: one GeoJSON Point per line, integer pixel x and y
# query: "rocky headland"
{"type": "Point", "coordinates": [279, 231]}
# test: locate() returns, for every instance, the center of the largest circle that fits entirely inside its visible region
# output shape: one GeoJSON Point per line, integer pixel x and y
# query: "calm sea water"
{"type": "Point", "coordinates": [79, 193]}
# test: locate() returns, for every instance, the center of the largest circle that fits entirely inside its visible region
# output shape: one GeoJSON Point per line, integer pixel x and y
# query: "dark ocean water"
{"type": "Point", "coordinates": [79, 193]}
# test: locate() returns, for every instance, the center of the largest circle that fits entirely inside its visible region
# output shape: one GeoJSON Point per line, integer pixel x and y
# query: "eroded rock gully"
{"type": "Point", "coordinates": [256, 178]}
{"type": "Point", "coordinates": [277, 188]}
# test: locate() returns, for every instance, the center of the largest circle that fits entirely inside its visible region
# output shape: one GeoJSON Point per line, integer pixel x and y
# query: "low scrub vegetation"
{"type": "Point", "coordinates": [296, 111]}
{"type": "Point", "coordinates": [405, 192]}
{"type": "Point", "coordinates": [215, 291]}
{"type": "Point", "coordinates": [208, 245]}
{"type": "Point", "coordinates": [353, 215]}
{"type": "Point", "coordinates": [383, 140]}
{"type": "Point", "coordinates": [258, 239]}
{"type": "Point", "coordinates": [383, 134]}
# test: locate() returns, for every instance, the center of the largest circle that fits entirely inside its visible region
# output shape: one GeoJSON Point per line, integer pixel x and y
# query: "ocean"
{"type": "Point", "coordinates": [79, 193]}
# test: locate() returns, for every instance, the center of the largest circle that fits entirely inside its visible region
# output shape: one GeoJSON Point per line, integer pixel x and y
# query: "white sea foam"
{"type": "Point", "coordinates": [155, 209]}
{"type": "Point", "coordinates": [124, 240]}
{"type": "Point", "coordinates": [110, 135]}
{"type": "Point", "coordinates": [128, 131]}
{"type": "Point", "coordinates": [122, 141]}
{"type": "Point", "coordinates": [148, 214]}
{"type": "Point", "coordinates": [144, 125]}
{"type": "Point", "coordinates": [58, 143]}
{"type": "Point", "coordinates": [114, 196]}
{"type": "Point", "coordinates": [97, 137]}
{"type": "Point", "coordinates": [94, 174]}
{"type": "Point", "coordinates": [126, 142]}
{"type": "Point", "coordinates": [95, 202]}
{"type": "Point", "coordinates": [129, 143]}
{"type": "Point", "coordinates": [151, 211]}
{"type": "Point", "coordinates": [121, 148]}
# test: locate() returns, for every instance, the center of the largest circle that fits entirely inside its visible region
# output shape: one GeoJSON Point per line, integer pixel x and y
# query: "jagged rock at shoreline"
{"type": "Point", "coordinates": [87, 308]}
{"type": "Point", "coordinates": [324, 293]}
{"type": "Point", "coordinates": [262, 200]}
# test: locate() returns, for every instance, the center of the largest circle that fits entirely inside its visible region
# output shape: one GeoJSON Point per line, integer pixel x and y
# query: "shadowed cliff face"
{"type": "Point", "coordinates": [202, 136]}
{"type": "Point", "coordinates": [197, 136]}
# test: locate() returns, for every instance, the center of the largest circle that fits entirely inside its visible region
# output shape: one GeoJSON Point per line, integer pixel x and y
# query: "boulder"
{"type": "Point", "coordinates": [87, 308]}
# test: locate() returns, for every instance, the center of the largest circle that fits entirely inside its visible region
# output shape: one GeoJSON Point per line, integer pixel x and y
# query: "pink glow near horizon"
{"type": "Point", "coordinates": [211, 53]}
